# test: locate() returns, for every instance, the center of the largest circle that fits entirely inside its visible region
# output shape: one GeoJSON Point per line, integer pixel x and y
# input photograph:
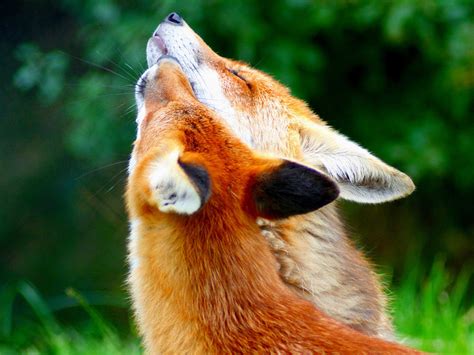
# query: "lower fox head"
{"type": "Point", "coordinates": [185, 160]}
{"type": "Point", "coordinates": [264, 115]}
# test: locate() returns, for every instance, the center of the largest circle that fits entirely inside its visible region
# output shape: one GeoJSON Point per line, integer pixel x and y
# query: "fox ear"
{"type": "Point", "coordinates": [179, 183]}
{"type": "Point", "coordinates": [290, 189]}
{"type": "Point", "coordinates": [361, 176]}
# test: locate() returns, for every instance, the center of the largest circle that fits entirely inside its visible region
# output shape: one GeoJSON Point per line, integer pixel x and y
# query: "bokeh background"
{"type": "Point", "coordinates": [395, 76]}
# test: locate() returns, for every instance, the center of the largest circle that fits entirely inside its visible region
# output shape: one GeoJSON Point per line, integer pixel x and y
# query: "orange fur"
{"type": "Point", "coordinates": [207, 282]}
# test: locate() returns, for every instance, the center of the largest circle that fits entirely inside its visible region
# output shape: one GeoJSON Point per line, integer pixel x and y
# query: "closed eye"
{"type": "Point", "coordinates": [238, 75]}
{"type": "Point", "coordinates": [140, 86]}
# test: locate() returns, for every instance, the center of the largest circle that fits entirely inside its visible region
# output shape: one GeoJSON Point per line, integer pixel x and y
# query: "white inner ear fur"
{"type": "Point", "coordinates": [172, 190]}
{"type": "Point", "coordinates": [361, 176]}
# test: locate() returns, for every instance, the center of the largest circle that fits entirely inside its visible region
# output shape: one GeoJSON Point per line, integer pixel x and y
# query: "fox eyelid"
{"type": "Point", "coordinates": [141, 84]}
{"type": "Point", "coordinates": [236, 73]}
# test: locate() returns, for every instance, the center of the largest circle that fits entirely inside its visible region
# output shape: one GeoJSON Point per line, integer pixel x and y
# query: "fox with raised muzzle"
{"type": "Point", "coordinates": [316, 258]}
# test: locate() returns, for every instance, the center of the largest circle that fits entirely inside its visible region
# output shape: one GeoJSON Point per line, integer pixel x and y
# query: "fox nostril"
{"type": "Point", "coordinates": [174, 18]}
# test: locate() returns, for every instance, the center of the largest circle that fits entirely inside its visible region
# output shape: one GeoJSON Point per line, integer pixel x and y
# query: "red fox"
{"type": "Point", "coordinates": [316, 258]}
{"type": "Point", "coordinates": [203, 279]}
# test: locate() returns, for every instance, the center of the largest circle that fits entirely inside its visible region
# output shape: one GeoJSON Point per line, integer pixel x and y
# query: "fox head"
{"type": "Point", "coordinates": [264, 115]}
{"type": "Point", "coordinates": [185, 160]}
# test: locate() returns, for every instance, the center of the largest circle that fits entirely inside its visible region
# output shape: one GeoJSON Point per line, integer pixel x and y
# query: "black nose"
{"type": "Point", "coordinates": [174, 18]}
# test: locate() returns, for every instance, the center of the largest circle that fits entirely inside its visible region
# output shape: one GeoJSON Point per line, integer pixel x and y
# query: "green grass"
{"type": "Point", "coordinates": [431, 313]}
{"type": "Point", "coordinates": [435, 312]}
{"type": "Point", "coordinates": [45, 335]}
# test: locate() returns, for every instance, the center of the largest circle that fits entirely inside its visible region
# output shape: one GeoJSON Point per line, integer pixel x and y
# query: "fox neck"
{"type": "Point", "coordinates": [229, 264]}
{"type": "Point", "coordinates": [209, 277]}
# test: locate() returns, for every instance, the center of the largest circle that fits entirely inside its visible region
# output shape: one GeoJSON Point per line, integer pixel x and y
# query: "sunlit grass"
{"type": "Point", "coordinates": [434, 312]}
{"type": "Point", "coordinates": [431, 313]}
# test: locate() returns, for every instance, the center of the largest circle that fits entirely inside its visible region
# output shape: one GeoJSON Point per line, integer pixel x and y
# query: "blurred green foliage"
{"type": "Point", "coordinates": [44, 72]}
{"type": "Point", "coordinates": [395, 76]}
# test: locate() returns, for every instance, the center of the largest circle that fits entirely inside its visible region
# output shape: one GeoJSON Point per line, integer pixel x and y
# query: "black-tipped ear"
{"type": "Point", "coordinates": [200, 179]}
{"type": "Point", "coordinates": [292, 189]}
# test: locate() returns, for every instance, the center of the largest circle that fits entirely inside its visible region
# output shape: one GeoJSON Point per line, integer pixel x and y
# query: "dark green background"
{"type": "Point", "coordinates": [395, 76]}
